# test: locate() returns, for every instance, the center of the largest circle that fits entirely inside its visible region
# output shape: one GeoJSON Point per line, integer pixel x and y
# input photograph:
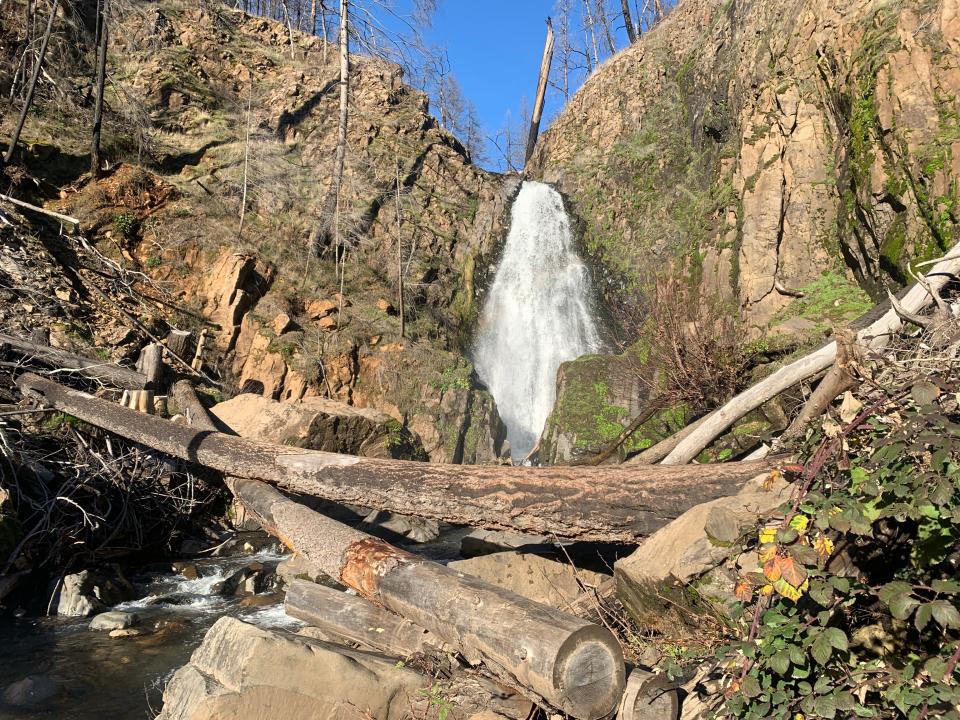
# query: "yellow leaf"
{"type": "Point", "coordinates": [766, 590]}
{"type": "Point", "coordinates": [800, 523]}
{"type": "Point", "coordinates": [824, 546]}
{"type": "Point", "coordinates": [766, 552]}
{"type": "Point", "coordinates": [789, 591]}
{"type": "Point", "coordinates": [768, 535]}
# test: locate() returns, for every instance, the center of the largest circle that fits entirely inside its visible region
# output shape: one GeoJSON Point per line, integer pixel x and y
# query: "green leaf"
{"type": "Point", "coordinates": [780, 662]}
{"type": "Point", "coordinates": [750, 687]}
{"type": "Point", "coordinates": [902, 606]}
{"type": "Point", "coordinates": [825, 706]}
{"type": "Point", "coordinates": [821, 649]}
{"type": "Point", "coordinates": [923, 616]}
{"type": "Point", "coordinates": [892, 589]}
{"type": "Point", "coordinates": [864, 712]}
{"type": "Point", "coordinates": [836, 637]}
{"type": "Point", "coordinates": [946, 586]}
{"type": "Point", "coordinates": [945, 613]}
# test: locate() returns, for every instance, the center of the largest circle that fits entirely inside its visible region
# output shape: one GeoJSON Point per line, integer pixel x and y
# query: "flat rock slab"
{"type": "Point", "coordinates": [532, 576]}
{"type": "Point", "coordinates": [242, 671]}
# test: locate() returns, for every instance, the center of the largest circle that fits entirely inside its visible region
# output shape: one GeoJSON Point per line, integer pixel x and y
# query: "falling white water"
{"type": "Point", "coordinates": [536, 316]}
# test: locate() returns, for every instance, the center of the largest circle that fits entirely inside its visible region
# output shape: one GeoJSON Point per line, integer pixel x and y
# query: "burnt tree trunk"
{"type": "Point", "coordinates": [570, 663]}
{"type": "Point", "coordinates": [101, 83]}
{"type": "Point", "coordinates": [541, 93]}
{"type": "Point", "coordinates": [28, 99]}
{"type": "Point", "coordinates": [321, 238]}
{"type": "Point", "coordinates": [607, 503]}
{"type": "Point", "coordinates": [628, 21]}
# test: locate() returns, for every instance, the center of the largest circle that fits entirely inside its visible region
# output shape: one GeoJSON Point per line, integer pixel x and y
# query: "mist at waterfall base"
{"type": "Point", "coordinates": [537, 315]}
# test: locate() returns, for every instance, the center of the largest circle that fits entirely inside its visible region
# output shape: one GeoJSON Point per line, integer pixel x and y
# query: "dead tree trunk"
{"type": "Point", "coordinates": [101, 84]}
{"type": "Point", "coordinates": [150, 365]}
{"type": "Point", "coordinates": [105, 372]}
{"type": "Point", "coordinates": [628, 21]}
{"type": "Point", "coordinates": [321, 238]}
{"type": "Point", "coordinates": [348, 618]}
{"type": "Point", "coordinates": [876, 335]}
{"type": "Point", "coordinates": [570, 663]}
{"type": "Point", "coordinates": [608, 503]}
{"type": "Point", "coordinates": [178, 342]}
{"type": "Point", "coordinates": [400, 308]}
{"type": "Point", "coordinates": [28, 99]}
{"type": "Point", "coordinates": [541, 93]}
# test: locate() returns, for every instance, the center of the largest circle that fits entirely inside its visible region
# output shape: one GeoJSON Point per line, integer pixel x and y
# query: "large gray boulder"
{"type": "Point", "coordinates": [242, 672]}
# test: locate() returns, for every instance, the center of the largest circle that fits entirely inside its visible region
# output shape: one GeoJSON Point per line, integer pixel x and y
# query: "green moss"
{"type": "Point", "coordinates": [831, 299]}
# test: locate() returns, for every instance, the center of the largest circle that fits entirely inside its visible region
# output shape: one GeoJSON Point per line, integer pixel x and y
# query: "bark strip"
{"type": "Point", "coordinates": [607, 503]}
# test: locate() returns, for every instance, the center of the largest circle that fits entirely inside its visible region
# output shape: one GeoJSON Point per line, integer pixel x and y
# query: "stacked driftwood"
{"type": "Point", "coordinates": [557, 659]}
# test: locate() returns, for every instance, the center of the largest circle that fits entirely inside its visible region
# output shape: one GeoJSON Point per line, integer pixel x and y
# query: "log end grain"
{"type": "Point", "coordinates": [590, 673]}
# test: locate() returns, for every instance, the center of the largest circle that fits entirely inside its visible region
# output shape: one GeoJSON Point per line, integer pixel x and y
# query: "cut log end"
{"type": "Point", "coordinates": [590, 673]}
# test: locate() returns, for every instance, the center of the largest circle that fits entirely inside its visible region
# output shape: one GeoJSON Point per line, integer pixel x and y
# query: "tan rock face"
{"type": "Point", "coordinates": [318, 424]}
{"type": "Point", "coordinates": [760, 147]}
{"type": "Point", "coordinates": [537, 578]}
{"type": "Point", "coordinates": [241, 671]}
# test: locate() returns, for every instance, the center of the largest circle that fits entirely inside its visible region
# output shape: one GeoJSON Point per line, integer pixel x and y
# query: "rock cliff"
{"type": "Point", "coordinates": [792, 159]}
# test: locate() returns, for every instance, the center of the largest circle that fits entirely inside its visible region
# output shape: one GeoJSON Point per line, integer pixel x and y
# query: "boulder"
{"type": "Point", "coordinates": [33, 691]}
{"type": "Point", "coordinates": [85, 593]}
{"type": "Point", "coordinates": [537, 578]}
{"type": "Point", "coordinates": [485, 542]}
{"type": "Point", "coordinates": [419, 530]}
{"type": "Point", "coordinates": [319, 424]}
{"type": "Point", "coordinates": [114, 620]}
{"type": "Point", "coordinates": [242, 671]}
{"type": "Point", "coordinates": [249, 580]}
{"type": "Point", "coordinates": [690, 546]}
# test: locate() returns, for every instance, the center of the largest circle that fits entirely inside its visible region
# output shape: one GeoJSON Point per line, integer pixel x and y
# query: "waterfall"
{"type": "Point", "coordinates": [537, 315]}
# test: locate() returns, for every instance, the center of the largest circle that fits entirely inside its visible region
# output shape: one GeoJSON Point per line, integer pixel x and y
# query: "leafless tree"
{"type": "Point", "coordinates": [103, 29]}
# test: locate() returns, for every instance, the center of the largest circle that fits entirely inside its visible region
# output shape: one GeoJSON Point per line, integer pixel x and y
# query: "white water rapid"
{"type": "Point", "coordinates": [537, 315]}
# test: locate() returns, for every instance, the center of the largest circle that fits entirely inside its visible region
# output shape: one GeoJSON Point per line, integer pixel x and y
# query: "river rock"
{"type": "Point", "coordinates": [30, 692]}
{"type": "Point", "coordinates": [114, 620]}
{"type": "Point", "coordinates": [188, 570]}
{"type": "Point", "coordinates": [126, 632]}
{"type": "Point", "coordinates": [249, 580]}
{"type": "Point", "coordinates": [242, 671]}
{"type": "Point", "coordinates": [537, 578]}
{"type": "Point", "coordinates": [85, 593]}
{"type": "Point", "coordinates": [298, 568]}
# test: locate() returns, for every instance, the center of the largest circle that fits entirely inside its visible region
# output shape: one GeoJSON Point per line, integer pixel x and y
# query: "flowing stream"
{"type": "Point", "coordinates": [537, 315]}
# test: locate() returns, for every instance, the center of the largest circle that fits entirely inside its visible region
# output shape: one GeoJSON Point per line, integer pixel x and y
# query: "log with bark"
{"type": "Point", "coordinates": [874, 336]}
{"type": "Point", "coordinates": [567, 662]}
{"type": "Point", "coordinates": [608, 503]}
{"type": "Point", "coordinates": [108, 373]}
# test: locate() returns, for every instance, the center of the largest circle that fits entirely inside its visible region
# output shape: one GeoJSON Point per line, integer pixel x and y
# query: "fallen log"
{"type": "Point", "coordinates": [109, 373]}
{"type": "Point", "coordinates": [350, 618]}
{"type": "Point", "coordinates": [569, 663]}
{"type": "Point", "coordinates": [876, 335]}
{"type": "Point", "coordinates": [606, 503]}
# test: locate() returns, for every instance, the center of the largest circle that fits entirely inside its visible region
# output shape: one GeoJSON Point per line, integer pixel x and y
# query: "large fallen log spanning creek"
{"type": "Point", "coordinates": [605, 503]}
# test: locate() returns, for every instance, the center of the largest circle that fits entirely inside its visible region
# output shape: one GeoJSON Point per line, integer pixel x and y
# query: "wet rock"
{"type": "Point", "coordinates": [298, 568]}
{"type": "Point", "coordinates": [249, 580]}
{"type": "Point", "coordinates": [126, 632]}
{"type": "Point", "coordinates": [262, 600]}
{"type": "Point", "coordinates": [188, 570]}
{"type": "Point", "coordinates": [85, 593]}
{"type": "Point", "coordinates": [33, 691]}
{"type": "Point", "coordinates": [241, 670]}
{"type": "Point", "coordinates": [114, 620]}
{"type": "Point", "coordinates": [540, 579]}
